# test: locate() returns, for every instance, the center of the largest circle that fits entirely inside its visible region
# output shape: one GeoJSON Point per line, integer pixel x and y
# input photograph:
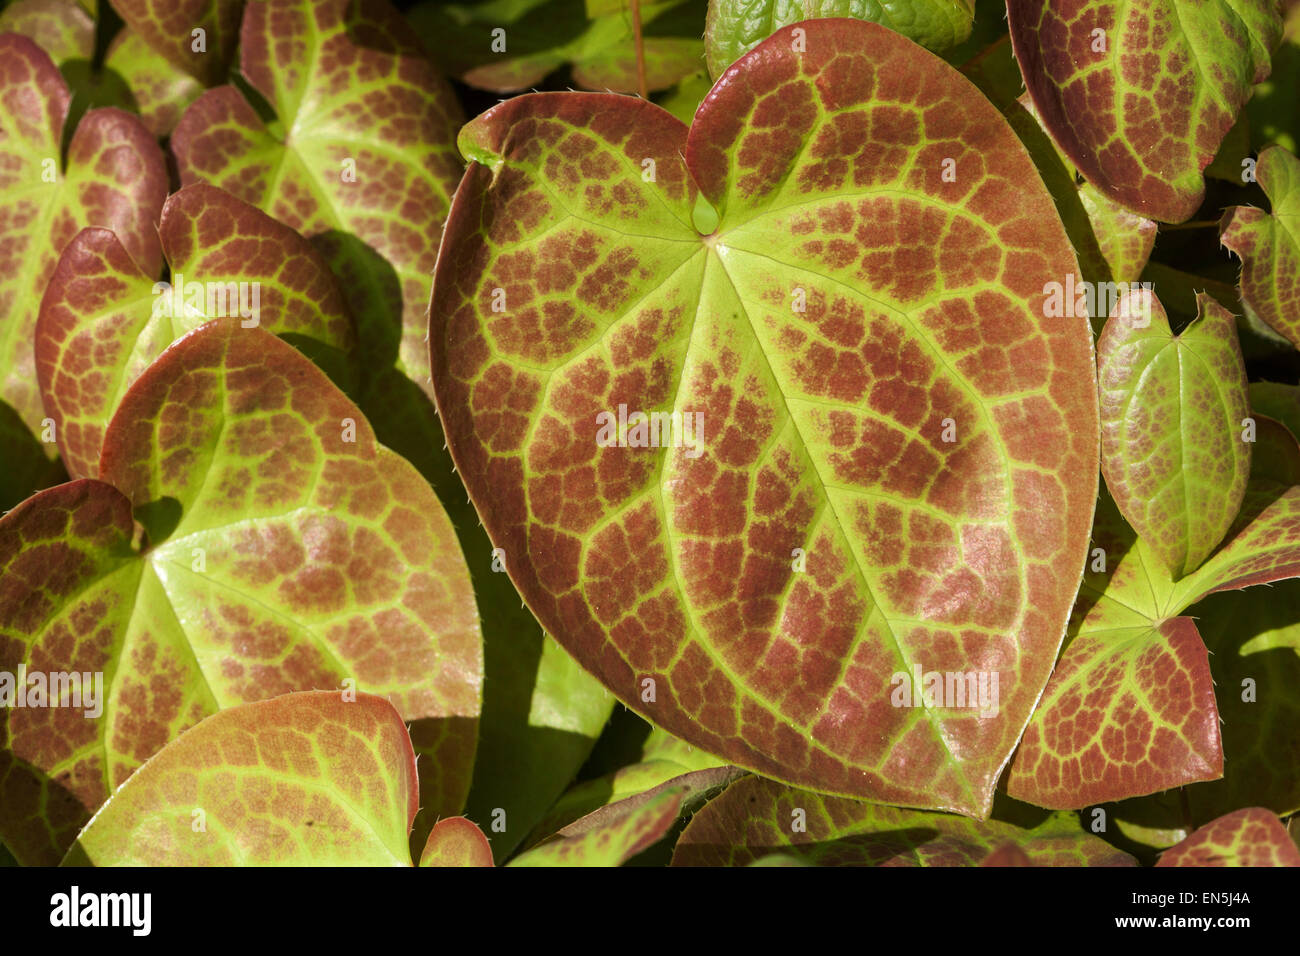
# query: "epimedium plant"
{"type": "Point", "coordinates": [875, 430]}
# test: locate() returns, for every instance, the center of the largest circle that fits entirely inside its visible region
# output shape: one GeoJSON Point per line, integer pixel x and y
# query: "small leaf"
{"type": "Point", "coordinates": [735, 27]}
{"type": "Point", "coordinates": [61, 28]}
{"type": "Point", "coordinates": [1250, 837]}
{"type": "Point", "coordinates": [1140, 93]}
{"type": "Point", "coordinates": [1172, 411]}
{"type": "Point", "coordinates": [300, 780]}
{"type": "Point", "coordinates": [161, 90]}
{"type": "Point", "coordinates": [285, 550]}
{"type": "Point", "coordinates": [825, 428]}
{"type": "Point", "coordinates": [754, 818]}
{"type": "Point", "coordinates": [197, 36]}
{"type": "Point", "coordinates": [615, 833]}
{"type": "Point", "coordinates": [102, 320]}
{"type": "Point", "coordinates": [1269, 245]}
{"type": "Point", "coordinates": [455, 841]}
{"type": "Point", "coordinates": [114, 177]}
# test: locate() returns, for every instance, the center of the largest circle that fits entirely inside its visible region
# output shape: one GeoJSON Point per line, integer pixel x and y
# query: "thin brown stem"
{"type": "Point", "coordinates": [640, 49]}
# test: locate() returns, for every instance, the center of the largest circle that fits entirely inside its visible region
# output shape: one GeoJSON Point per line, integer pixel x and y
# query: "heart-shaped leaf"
{"type": "Point", "coordinates": [304, 779]}
{"type": "Point", "coordinates": [1140, 93]}
{"type": "Point", "coordinates": [1173, 410]}
{"type": "Point", "coordinates": [198, 36]}
{"type": "Point", "coordinates": [285, 550]}
{"type": "Point", "coordinates": [455, 841]}
{"type": "Point", "coordinates": [102, 320]}
{"type": "Point", "coordinates": [615, 833]}
{"type": "Point", "coordinates": [1269, 245]}
{"type": "Point", "coordinates": [361, 160]}
{"type": "Point", "coordinates": [754, 818]}
{"type": "Point", "coordinates": [512, 45]}
{"type": "Point", "coordinates": [897, 466]}
{"type": "Point", "coordinates": [1250, 837]}
{"type": "Point", "coordinates": [735, 27]}
{"type": "Point", "coordinates": [114, 177]}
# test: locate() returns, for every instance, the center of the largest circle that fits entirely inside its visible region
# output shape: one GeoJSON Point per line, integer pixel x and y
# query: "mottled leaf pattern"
{"type": "Point", "coordinates": [737, 26]}
{"type": "Point", "coordinates": [160, 89]}
{"type": "Point", "coordinates": [103, 321]}
{"type": "Point", "coordinates": [615, 833]}
{"type": "Point", "coordinates": [171, 28]}
{"type": "Point", "coordinates": [60, 27]}
{"type": "Point", "coordinates": [1140, 93]}
{"type": "Point", "coordinates": [114, 177]}
{"type": "Point", "coordinates": [286, 550]}
{"type": "Point", "coordinates": [1173, 411]}
{"type": "Point", "coordinates": [305, 779]}
{"type": "Point", "coordinates": [823, 429]}
{"type": "Point", "coordinates": [1269, 245]}
{"type": "Point", "coordinates": [754, 818]}
{"type": "Point", "coordinates": [1250, 837]}
{"type": "Point", "coordinates": [360, 160]}
{"type": "Point", "coordinates": [455, 841]}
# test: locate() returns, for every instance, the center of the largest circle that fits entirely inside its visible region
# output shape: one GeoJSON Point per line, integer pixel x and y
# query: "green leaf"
{"type": "Point", "coordinates": [1274, 119]}
{"type": "Point", "coordinates": [541, 36]}
{"type": "Point", "coordinates": [305, 779]}
{"type": "Point", "coordinates": [615, 833]}
{"type": "Point", "coordinates": [1140, 93]}
{"type": "Point", "coordinates": [455, 841]}
{"type": "Point", "coordinates": [737, 26]}
{"type": "Point", "coordinates": [1277, 401]}
{"type": "Point", "coordinates": [160, 90]}
{"type": "Point", "coordinates": [755, 818]}
{"type": "Point", "coordinates": [61, 28]}
{"type": "Point", "coordinates": [1173, 410]}
{"type": "Point", "coordinates": [171, 28]}
{"type": "Point", "coordinates": [1250, 837]}
{"type": "Point", "coordinates": [823, 429]}
{"type": "Point", "coordinates": [103, 321]}
{"type": "Point", "coordinates": [113, 176]}
{"type": "Point", "coordinates": [542, 714]}
{"type": "Point", "coordinates": [284, 549]}
{"type": "Point", "coordinates": [1269, 245]}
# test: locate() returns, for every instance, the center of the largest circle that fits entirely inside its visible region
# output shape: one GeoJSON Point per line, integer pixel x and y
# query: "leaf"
{"type": "Point", "coordinates": [1273, 116]}
{"type": "Point", "coordinates": [755, 818]}
{"type": "Point", "coordinates": [279, 556]}
{"type": "Point", "coordinates": [1172, 414]}
{"type": "Point", "coordinates": [737, 26]}
{"type": "Point", "coordinates": [161, 90]}
{"type": "Point", "coordinates": [113, 177]}
{"type": "Point", "coordinates": [360, 160]}
{"type": "Point", "coordinates": [663, 758]}
{"type": "Point", "coordinates": [1142, 106]}
{"type": "Point", "coordinates": [304, 779]}
{"type": "Point", "coordinates": [103, 321]}
{"type": "Point", "coordinates": [541, 36]}
{"type": "Point", "coordinates": [542, 713]}
{"type": "Point", "coordinates": [61, 28]}
{"type": "Point", "coordinates": [1269, 245]}
{"type": "Point", "coordinates": [170, 27]}
{"type": "Point", "coordinates": [823, 429]}
{"type": "Point", "coordinates": [1250, 837]}
{"type": "Point", "coordinates": [455, 841]}
{"type": "Point", "coordinates": [615, 833]}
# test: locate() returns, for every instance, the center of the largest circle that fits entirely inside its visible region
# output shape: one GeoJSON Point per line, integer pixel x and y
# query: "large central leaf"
{"type": "Point", "coordinates": [892, 457]}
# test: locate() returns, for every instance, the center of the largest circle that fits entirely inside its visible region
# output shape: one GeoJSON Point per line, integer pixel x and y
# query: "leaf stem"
{"type": "Point", "coordinates": [640, 48]}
